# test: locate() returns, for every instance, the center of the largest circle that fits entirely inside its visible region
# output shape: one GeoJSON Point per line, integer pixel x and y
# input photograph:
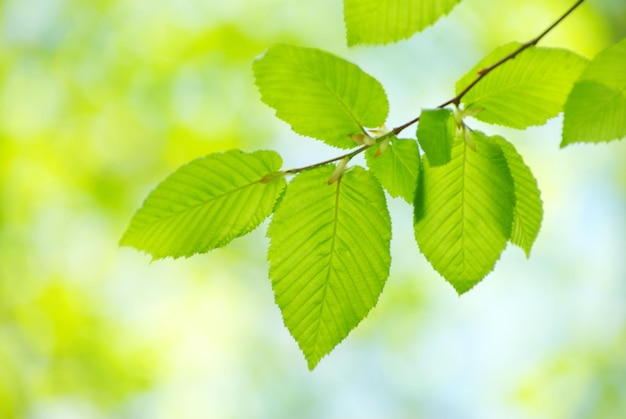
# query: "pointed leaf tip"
{"type": "Point", "coordinates": [329, 256]}
{"type": "Point", "coordinates": [464, 212]}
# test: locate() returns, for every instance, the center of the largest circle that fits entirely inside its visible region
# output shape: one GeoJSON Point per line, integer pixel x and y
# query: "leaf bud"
{"type": "Point", "coordinates": [384, 145]}
{"type": "Point", "coordinates": [360, 139]}
{"type": "Point", "coordinates": [469, 138]}
{"type": "Point", "coordinates": [341, 167]}
{"type": "Point", "coordinates": [270, 177]}
{"type": "Point", "coordinates": [378, 132]}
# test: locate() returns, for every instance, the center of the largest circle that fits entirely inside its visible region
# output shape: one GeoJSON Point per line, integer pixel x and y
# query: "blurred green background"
{"type": "Point", "coordinates": [101, 99]}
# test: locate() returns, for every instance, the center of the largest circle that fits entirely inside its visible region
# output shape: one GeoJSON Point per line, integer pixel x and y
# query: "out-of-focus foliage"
{"type": "Point", "coordinates": [101, 99]}
{"type": "Point", "coordinates": [97, 99]}
{"type": "Point", "coordinates": [593, 377]}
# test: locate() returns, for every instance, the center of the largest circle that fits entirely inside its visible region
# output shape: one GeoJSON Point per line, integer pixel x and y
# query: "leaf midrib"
{"type": "Point", "coordinates": [464, 170]}
{"type": "Point", "coordinates": [328, 271]}
{"type": "Point", "coordinates": [332, 92]}
{"type": "Point", "coordinates": [175, 214]}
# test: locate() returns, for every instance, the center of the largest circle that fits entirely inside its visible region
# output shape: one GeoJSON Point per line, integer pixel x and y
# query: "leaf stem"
{"type": "Point", "coordinates": [454, 101]}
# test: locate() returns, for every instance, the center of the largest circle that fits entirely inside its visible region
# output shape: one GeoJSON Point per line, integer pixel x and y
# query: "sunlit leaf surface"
{"type": "Point", "coordinates": [524, 91]}
{"type": "Point", "coordinates": [528, 211]}
{"type": "Point", "coordinates": [320, 95]}
{"type": "Point", "coordinates": [464, 212]}
{"type": "Point", "coordinates": [596, 109]}
{"type": "Point", "coordinates": [435, 133]}
{"type": "Point", "coordinates": [396, 167]}
{"type": "Point", "coordinates": [385, 21]}
{"type": "Point", "coordinates": [206, 203]}
{"type": "Point", "coordinates": [329, 256]}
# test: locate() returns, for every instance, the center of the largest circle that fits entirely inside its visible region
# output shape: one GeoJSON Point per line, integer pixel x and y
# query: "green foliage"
{"type": "Point", "coordinates": [385, 21]}
{"type": "Point", "coordinates": [319, 94]}
{"type": "Point", "coordinates": [206, 203]}
{"type": "Point", "coordinates": [491, 59]}
{"type": "Point", "coordinates": [525, 91]}
{"type": "Point", "coordinates": [330, 232]}
{"type": "Point", "coordinates": [396, 164]}
{"type": "Point", "coordinates": [329, 255]}
{"type": "Point", "coordinates": [464, 211]}
{"type": "Point", "coordinates": [435, 133]}
{"type": "Point", "coordinates": [596, 108]}
{"type": "Point", "coordinates": [528, 210]}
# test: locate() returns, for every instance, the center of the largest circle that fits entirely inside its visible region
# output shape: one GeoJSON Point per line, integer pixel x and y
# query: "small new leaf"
{"type": "Point", "coordinates": [595, 110]}
{"type": "Point", "coordinates": [464, 211]}
{"type": "Point", "coordinates": [385, 21]}
{"type": "Point", "coordinates": [320, 95]}
{"type": "Point", "coordinates": [396, 167]}
{"type": "Point", "coordinates": [207, 203]}
{"type": "Point", "coordinates": [528, 211]}
{"type": "Point", "coordinates": [329, 255]}
{"type": "Point", "coordinates": [524, 91]}
{"type": "Point", "coordinates": [435, 133]}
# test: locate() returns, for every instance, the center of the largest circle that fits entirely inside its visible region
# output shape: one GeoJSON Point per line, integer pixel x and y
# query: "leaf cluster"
{"type": "Point", "coordinates": [330, 231]}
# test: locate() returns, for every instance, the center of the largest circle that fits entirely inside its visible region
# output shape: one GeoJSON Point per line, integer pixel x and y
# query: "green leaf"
{"type": "Point", "coordinates": [608, 67]}
{"type": "Point", "coordinates": [320, 95]}
{"type": "Point", "coordinates": [207, 203]}
{"type": "Point", "coordinates": [464, 211]}
{"type": "Point", "coordinates": [396, 167]}
{"type": "Point", "coordinates": [528, 211]}
{"type": "Point", "coordinates": [595, 110]}
{"type": "Point", "coordinates": [524, 91]}
{"type": "Point", "coordinates": [385, 21]}
{"type": "Point", "coordinates": [435, 133]}
{"type": "Point", "coordinates": [489, 60]}
{"type": "Point", "coordinates": [594, 113]}
{"type": "Point", "coordinates": [329, 255]}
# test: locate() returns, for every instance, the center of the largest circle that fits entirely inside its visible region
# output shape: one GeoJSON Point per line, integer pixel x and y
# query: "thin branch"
{"type": "Point", "coordinates": [349, 155]}
{"type": "Point", "coordinates": [398, 130]}
{"type": "Point", "coordinates": [455, 100]}
{"type": "Point", "coordinates": [313, 166]}
{"type": "Point", "coordinates": [483, 72]}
